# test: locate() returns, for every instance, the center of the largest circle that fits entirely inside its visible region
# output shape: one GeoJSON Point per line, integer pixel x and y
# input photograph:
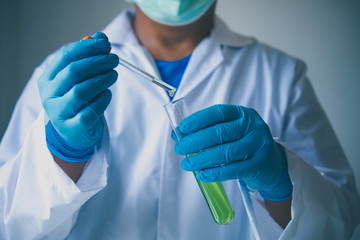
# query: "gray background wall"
{"type": "Point", "coordinates": [324, 33]}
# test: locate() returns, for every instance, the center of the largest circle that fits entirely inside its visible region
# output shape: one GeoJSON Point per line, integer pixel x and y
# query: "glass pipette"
{"type": "Point", "coordinates": [171, 90]}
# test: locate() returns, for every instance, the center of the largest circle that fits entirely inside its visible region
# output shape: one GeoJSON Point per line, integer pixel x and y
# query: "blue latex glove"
{"type": "Point", "coordinates": [233, 142]}
{"type": "Point", "coordinates": [74, 93]}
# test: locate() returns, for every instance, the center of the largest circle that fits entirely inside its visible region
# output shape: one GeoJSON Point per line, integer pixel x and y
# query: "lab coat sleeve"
{"type": "Point", "coordinates": [37, 199]}
{"type": "Point", "coordinates": [321, 209]}
{"type": "Point", "coordinates": [325, 201]}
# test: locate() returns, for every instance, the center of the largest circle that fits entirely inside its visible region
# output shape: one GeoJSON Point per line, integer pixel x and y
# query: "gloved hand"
{"type": "Point", "coordinates": [233, 142]}
{"type": "Point", "coordinates": [74, 93]}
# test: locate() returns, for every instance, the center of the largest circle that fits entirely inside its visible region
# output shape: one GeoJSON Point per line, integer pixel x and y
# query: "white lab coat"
{"type": "Point", "coordinates": [134, 188]}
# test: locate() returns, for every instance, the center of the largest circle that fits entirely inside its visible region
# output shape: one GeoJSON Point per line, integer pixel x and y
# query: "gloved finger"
{"type": "Point", "coordinates": [237, 170]}
{"type": "Point", "coordinates": [224, 154]}
{"type": "Point", "coordinates": [174, 136]}
{"type": "Point", "coordinates": [90, 114]}
{"type": "Point", "coordinates": [250, 168]}
{"type": "Point", "coordinates": [100, 35]}
{"type": "Point", "coordinates": [212, 136]}
{"type": "Point", "coordinates": [83, 93]}
{"type": "Point", "coordinates": [210, 116]}
{"type": "Point", "coordinates": [81, 70]}
{"type": "Point", "coordinates": [76, 51]}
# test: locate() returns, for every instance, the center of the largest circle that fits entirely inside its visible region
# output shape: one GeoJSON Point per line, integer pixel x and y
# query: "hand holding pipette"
{"type": "Point", "coordinates": [74, 91]}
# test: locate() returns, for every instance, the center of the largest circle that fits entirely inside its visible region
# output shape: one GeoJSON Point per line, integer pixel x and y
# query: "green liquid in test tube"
{"type": "Point", "coordinates": [213, 192]}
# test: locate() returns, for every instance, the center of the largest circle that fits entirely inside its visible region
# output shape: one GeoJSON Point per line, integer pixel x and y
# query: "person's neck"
{"type": "Point", "coordinates": [172, 43]}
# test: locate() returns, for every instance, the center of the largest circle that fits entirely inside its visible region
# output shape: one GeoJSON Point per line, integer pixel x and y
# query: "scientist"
{"type": "Point", "coordinates": [85, 158]}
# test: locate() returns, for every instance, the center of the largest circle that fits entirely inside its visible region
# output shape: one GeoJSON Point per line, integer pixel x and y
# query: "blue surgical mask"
{"type": "Point", "coordinates": [174, 12]}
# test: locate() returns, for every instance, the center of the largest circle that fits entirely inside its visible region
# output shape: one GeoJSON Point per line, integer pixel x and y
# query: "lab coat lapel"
{"type": "Point", "coordinates": [205, 58]}
{"type": "Point", "coordinates": [208, 55]}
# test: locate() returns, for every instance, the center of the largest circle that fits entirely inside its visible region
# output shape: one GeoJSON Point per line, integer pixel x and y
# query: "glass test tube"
{"type": "Point", "coordinates": [213, 192]}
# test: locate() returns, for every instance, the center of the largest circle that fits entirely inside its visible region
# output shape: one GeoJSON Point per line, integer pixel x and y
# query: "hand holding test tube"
{"type": "Point", "coordinates": [213, 192]}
